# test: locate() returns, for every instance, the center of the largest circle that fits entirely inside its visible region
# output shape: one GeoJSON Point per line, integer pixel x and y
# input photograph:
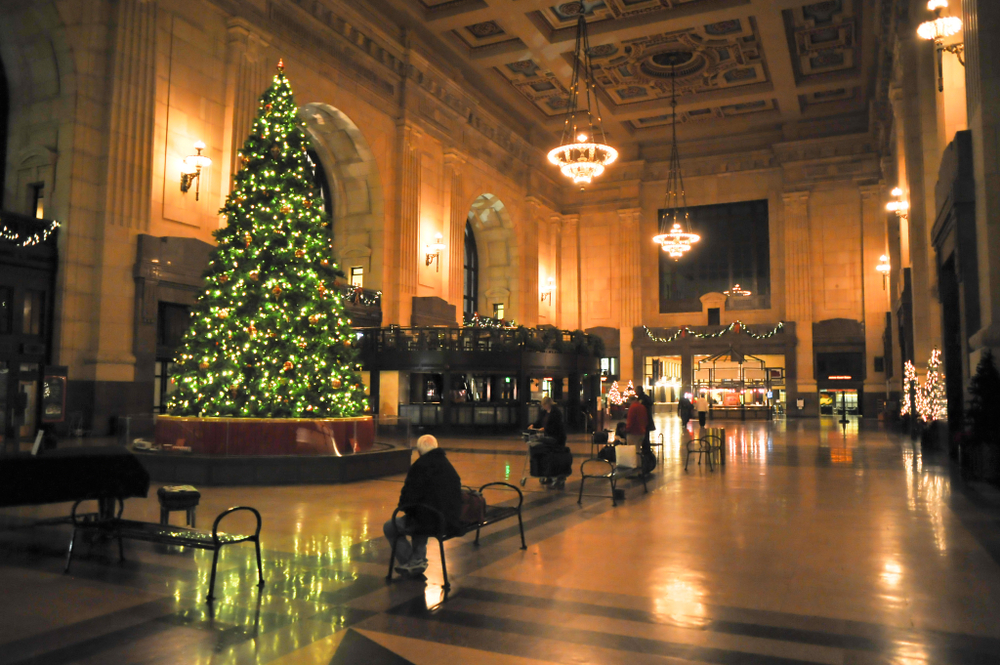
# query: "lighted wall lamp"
{"type": "Point", "coordinates": [937, 30]}
{"type": "Point", "coordinates": [884, 268]}
{"type": "Point", "coordinates": [191, 169]}
{"type": "Point", "coordinates": [434, 252]}
{"type": "Point", "coordinates": [549, 289]}
{"type": "Point", "coordinates": [900, 206]}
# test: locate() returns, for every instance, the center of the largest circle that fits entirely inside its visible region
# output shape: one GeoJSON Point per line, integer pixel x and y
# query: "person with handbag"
{"type": "Point", "coordinates": [431, 481]}
{"type": "Point", "coordinates": [635, 425]}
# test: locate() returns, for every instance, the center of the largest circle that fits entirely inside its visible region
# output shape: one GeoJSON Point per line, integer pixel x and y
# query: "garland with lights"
{"type": "Point", "coordinates": [476, 321]}
{"type": "Point", "coordinates": [356, 295]}
{"type": "Point", "coordinates": [734, 327]}
{"type": "Point", "coordinates": [8, 234]}
{"type": "Point", "coordinates": [269, 337]}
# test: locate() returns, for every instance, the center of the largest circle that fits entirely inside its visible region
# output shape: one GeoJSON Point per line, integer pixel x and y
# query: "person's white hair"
{"type": "Point", "coordinates": [426, 443]}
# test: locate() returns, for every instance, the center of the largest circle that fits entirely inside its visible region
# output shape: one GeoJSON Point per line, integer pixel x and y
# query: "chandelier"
{"type": "Point", "coordinates": [678, 239]}
{"type": "Point", "coordinates": [936, 31]}
{"type": "Point", "coordinates": [737, 292]}
{"type": "Point", "coordinates": [583, 150]}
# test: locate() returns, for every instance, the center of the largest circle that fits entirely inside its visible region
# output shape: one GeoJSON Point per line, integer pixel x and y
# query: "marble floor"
{"type": "Point", "coordinates": [813, 544]}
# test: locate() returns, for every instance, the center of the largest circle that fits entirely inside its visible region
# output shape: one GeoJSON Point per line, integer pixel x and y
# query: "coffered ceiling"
{"type": "Point", "coordinates": [757, 66]}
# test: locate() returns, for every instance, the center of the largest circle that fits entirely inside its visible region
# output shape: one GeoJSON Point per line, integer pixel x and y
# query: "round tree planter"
{"type": "Point", "coordinates": [269, 451]}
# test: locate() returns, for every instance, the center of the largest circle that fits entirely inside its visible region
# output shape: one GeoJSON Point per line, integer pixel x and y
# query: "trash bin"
{"type": "Point", "coordinates": [721, 433]}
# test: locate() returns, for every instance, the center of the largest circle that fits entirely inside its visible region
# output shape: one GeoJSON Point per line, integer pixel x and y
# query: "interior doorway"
{"type": "Point", "coordinates": [838, 402]}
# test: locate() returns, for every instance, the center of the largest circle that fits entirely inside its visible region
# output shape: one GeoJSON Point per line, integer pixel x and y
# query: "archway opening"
{"type": "Point", "coordinates": [470, 292]}
{"type": "Point", "coordinates": [491, 230]}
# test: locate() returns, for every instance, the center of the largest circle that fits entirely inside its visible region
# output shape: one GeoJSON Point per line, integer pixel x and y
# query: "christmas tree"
{"type": "Point", "coordinates": [932, 401]}
{"type": "Point", "coordinates": [909, 385]}
{"type": "Point", "coordinates": [629, 392]}
{"type": "Point", "coordinates": [269, 337]}
{"type": "Point", "coordinates": [984, 401]}
{"type": "Point", "coordinates": [614, 395]}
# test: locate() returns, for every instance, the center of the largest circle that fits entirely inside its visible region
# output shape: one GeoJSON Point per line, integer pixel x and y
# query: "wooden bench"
{"type": "Point", "coordinates": [493, 515]}
{"type": "Point", "coordinates": [603, 469]}
{"type": "Point", "coordinates": [214, 540]}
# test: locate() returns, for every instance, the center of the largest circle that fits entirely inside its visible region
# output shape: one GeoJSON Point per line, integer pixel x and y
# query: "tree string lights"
{"type": "Point", "coordinates": [269, 337]}
{"type": "Point", "coordinates": [614, 395]}
{"type": "Point", "coordinates": [9, 234]}
{"type": "Point", "coordinates": [909, 385]}
{"type": "Point", "coordinates": [932, 400]}
{"type": "Point", "coordinates": [734, 327]}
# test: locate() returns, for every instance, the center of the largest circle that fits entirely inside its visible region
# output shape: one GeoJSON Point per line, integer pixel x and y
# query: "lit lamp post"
{"type": "Point", "coordinates": [884, 267]}
{"type": "Point", "coordinates": [191, 167]}
{"type": "Point", "coordinates": [900, 206]}
{"type": "Point", "coordinates": [936, 30]}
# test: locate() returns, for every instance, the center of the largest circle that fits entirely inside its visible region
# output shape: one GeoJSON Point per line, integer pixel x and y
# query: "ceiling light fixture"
{"type": "Point", "coordinates": [900, 206]}
{"type": "Point", "coordinates": [678, 239]}
{"type": "Point", "coordinates": [737, 292]}
{"type": "Point", "coordinates": [936, 31]}
{"type": "Point", "coordinates": [191, 167]}
{"type": "Point", "coordinates": [583, 150]}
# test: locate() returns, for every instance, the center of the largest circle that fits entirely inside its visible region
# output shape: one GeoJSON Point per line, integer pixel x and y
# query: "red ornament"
{"type": "Point", "coordinates": [223, 279]}
{"type": "Point", "coordinates": [286, 208]}
{"type": "Point", "coordinates": [325, 262]}
{"type": "Point", "coordinates": [321, 290]}
{"type": "Point", "coordinates": [288, 365]}
{"type": "Point", "coordinates": [248, 238]}
{"type": "Point", "coordinates": [299, 253]}
{"type": "Point", "coordinates": [202, 365]}
{"type": "Point", "coordinates": [254, 275]}
{"type": "Point", "coordinates": [684, 332]}
{"type": "Point", "coordinates": [736, 327]}
{"type": "Point", "coordinates": [308, 203]}
{"type": "Point", "coordinates": [267, 107]}
{"type": "Point", "coordinates": [276, 290]}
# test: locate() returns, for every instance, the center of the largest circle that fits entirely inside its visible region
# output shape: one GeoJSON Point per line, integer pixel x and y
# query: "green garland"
{"type": "Point", "coordinates": [735, 326]}
{"type": "Point", "coordinates": [36, 238]}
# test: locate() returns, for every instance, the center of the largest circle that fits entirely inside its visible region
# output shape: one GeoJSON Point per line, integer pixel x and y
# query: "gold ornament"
{"type": "Point", "coordinates": [223, 313]}
{"type": "Point", "coordinates": [223, 279]}
{"type": "Point", "coordinates": [288, 365]}
{"type": "Point", "coordinates": [254, 275]}
{"type": "Point", "coordinates": [276, 290]}
{"type": "Point", "coordinates": [314, 319]}
{"type": "Point", "coordinates": [203, 365]}
{"type": "Point", "coordinates": [248, 238]}
{"type": "Point", "coordinates": [286, 208]}
{"type": "Point", "coordinates": [299, 253]}
{"type": "Point", "coordinates": [275, 152]}
{"type": "Point", "coordinates": [337, 384]}
{"type": "Point", "coordinates": [347, 341]}
{"type": "Point", "coordinates": [240, 199]}
{"type": "Point", "coordinates": [308, 203]}
{"type": "Point", "coordinates": [251, 329]}
{"type": "Point", "coordinates": [321, 290]}
{"type": "Point", "coordinates": [325, 262]}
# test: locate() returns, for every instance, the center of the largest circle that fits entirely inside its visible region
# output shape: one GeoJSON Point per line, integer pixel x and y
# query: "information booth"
{"type": "Point", "coordinates": [738, 386]}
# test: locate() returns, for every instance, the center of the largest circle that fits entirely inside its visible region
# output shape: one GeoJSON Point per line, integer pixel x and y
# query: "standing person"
{"type": "Point", "coordinates": [550, 421]}
{"type": "Point", "coordinates": [647, 403]}
{"type": "Point", "coordinates": [433, 481]}
{"type": "Point", "coordinates": [684, 408]}
{"type": "Point", "coordinates": [702, 404]}
{"type": "Point", "coordinates": [635, 425]}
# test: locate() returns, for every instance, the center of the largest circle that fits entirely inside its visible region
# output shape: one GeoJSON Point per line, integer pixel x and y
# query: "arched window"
{"type": "Point", "coordinates": [322, 183]}
{"type": "Point", "coordinates": [471, 291]}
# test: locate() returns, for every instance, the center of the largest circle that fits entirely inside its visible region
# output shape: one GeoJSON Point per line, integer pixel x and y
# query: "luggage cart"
{"type": "Point", "coordinates": [531, 438]}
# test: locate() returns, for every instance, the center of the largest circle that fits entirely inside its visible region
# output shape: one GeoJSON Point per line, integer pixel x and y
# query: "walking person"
{"type": "Point", "coordinates": [684, 409]}
{"type": "Point", "coordinates": [702, 404]}
{"type": "Point", "coordinates": [647, 403]}
{"type": "Point", "coordinates": [635, 425]}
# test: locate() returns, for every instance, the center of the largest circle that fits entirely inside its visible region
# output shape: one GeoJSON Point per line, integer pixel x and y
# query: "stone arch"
{"type": "Point", "coordinates": [350, 166]}
{"type": "Point", "coordinates": [498, 257]}
{"type": "Point", "coordinates": [39, 69]}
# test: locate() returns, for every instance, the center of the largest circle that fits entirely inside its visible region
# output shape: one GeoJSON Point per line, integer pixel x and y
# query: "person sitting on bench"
{"type": "Point", "coordinates": [550, 421]}
{"type": "Point", "coordinates": [433, 481]}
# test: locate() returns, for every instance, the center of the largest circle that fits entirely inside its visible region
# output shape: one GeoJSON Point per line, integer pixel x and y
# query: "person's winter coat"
{"type": "Point", "coordinates": [432, 480]}
{"type": "Point", "coordinates": [635, 421]}
{"type": "Point", "coordinates": [551, 424]}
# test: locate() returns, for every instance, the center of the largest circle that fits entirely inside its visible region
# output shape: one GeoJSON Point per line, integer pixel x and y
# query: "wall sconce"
{"type": "Point", "coordinates": [434, 252]}
{"type": "Point", "coordinates": [937, 30]}
{"type": "Point", "coordinates": [900, 206]}
{"type": "Point", "coordinates": [191, 167]}
{"type": "Point", "coordinates": [549, 289]}
{"type": "Point", "coordinates": [884, 268]}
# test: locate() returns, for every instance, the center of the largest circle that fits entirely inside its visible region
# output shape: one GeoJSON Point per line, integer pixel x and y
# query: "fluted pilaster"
{"type": "Point", "coordinates": [130, 132]}
{"type": "Point", "coordinates": [458, 215]}
{"type": "Point", "coordinates": [569, 273]}
{"type": "Point", "coordinates": [798, 284]}
{"type": "Point", "coordinates": [631, 268]}
{"type": "Point", "coordinates": [408, 213]}
{"type": "Point", "coordinates": [247, 74]}
{"type": "Point", "coordinates": [530, 244]}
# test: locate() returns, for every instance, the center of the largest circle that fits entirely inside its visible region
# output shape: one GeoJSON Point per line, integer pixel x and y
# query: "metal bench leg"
{"type": "Point", "coordinates": [211, 583]}
{"type": "Point", "coordinates": [444, 566]}
{"type": "Point", "coordinates": [121, 549]}
{"type": "Point", "coordinates": [614, 499]}
{"type": "Point", "coordinates": [392, 559]}
{"type": "Point", "coordinates": [476, 541]}
{"type": "Point", "coordinates": [520, 526]}
{"type": "Point", "coordinates": [579, 499]}
{"type": "Point", "coordinates": [69, 553]}
{"type": "Point", "coordinates": [260, 568]}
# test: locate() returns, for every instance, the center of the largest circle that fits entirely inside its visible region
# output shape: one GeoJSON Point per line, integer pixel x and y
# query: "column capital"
{"type": "Point", "coordinates": [629, 214]}
{"type": "Point", "coordinates": [869, 192]}
{"type": "Point", "coordinates": [795, 198]}
{"type": "Point", "coordinates": [409, 131]}
{"type": "Point", "coordinates": [569, 221]}
{"type": "Point", "coordinates": [454, 159]}
{"type": "Point", "coordinates": [244, 33]}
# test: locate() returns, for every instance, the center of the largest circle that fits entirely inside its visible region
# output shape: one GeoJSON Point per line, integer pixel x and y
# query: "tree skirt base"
{"type": "Point", "coordinates": [261, 437]}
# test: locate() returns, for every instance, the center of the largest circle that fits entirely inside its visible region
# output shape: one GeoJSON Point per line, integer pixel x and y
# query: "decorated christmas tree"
{"type": "Point", "coordinates": [614, 395]}
{"type": "Point", "coordinates": [932, 401]}
{"type": "Point", "coordinates": [269, 337]}
{"type": "Point", "coordinates": [909, 386]}
{"type": "Point", "coordinates": [629, 392]}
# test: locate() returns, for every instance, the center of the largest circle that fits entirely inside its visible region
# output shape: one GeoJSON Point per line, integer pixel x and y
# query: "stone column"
{"type": "Point", "coordinates": [798, 300]}
{"type": "Point", "coordinates": [458, 216]}
{"type": "Point", "coordinates": [127, 193]}
{"type": "Point", "coordinates": [530, 253]}
{"type": "Point", "coordinates": [408, 216]}
{"type": "Point", "coordinates": [569, 273]}
{"type": "Point", "coordinates": [630, 312]}
{"type": "Point", "coordinates": [982, 77]}
{"type": "Point", "coordinates": [556, 231]}
{"type": "Point", "coordinates": [874, 294]}
{"type": "Point", "coordinates": [246, 79]}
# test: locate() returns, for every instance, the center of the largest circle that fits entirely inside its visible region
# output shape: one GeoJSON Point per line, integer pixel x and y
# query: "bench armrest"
{"type": "Point", "coordinates": [215, 525]}
{"type": "Point", "coordinates": [442, 520]}
{"type": "Point", "coordinates": [78, 522]}
{"type": "Point", "coordinates": [520, 495]}
{"type": "Point", "coordinates": [610, 467]}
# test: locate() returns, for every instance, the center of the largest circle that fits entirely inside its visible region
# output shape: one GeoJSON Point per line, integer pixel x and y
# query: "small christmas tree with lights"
{"type": "Point", "coordinates": [932, 400]}
{"type": "Point", "coordinates": [269, 337]}
{"type": "Point", "coordinates": [614, 395]}
{"type": "Point", "coordinates": [629, 392]}
{"type": "Point", "coordinates": [909, 386]}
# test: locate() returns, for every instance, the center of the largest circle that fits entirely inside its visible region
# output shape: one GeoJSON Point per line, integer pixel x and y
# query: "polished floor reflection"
{"type": "Point", "coordinates": [815, 543]}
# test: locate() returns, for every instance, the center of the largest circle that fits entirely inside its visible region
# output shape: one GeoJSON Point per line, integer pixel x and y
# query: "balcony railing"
{"type": "Point", "coordinates": [364, 306]}
{"type": "Point", "coordinates": [476, 339]}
